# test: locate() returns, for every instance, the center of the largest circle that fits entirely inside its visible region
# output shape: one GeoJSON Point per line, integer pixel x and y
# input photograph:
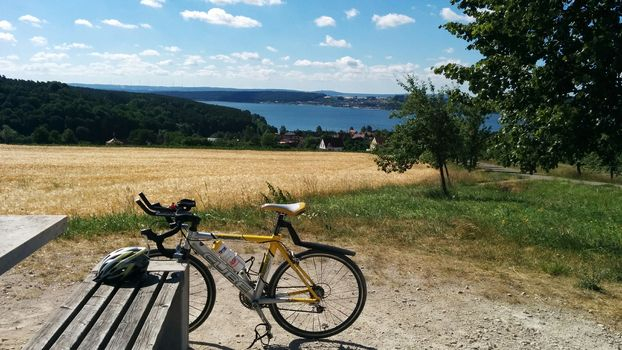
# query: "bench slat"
{"type": "Point", "coordinates": [111, 315]}
{"type": "Point", "coordinates": [85, 318]}
{"type": "Point", "coordinates": [62, 317]}
{"type": "Point", "coordinates": [153, 332]}
{"type": "Point", "coordinates": [131, 319]}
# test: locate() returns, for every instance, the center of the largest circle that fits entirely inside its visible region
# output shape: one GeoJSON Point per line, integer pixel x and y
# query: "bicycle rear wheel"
{"type": "Point", "coordinates": [338, 281]}
{"type": "Point", "coordinates": [202, 289]}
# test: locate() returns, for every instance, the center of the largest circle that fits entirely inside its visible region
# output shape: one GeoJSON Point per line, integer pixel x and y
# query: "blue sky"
{"type": "Point", "coordinates": [349, 46]}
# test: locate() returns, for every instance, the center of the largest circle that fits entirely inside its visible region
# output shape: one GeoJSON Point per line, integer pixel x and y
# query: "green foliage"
{"type": "Point", "coordinates": [431, 125]}
{"type": "Point", "coordinates": [591, 281]}
{"type": "Point", "coordinates": [556, 268]}
{"type": "Point", "coordinates": [268, 139]}
{"type": "Point", "coordinates": [552, 70]}
{"type": "Point", "coordinates": [56, 113]}
{"type": "Point", "coordinates": [276, 195]}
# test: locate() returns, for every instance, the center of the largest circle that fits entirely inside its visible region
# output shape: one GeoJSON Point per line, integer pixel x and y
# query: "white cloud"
{"type": "Point", "coordinates": [219, 16]}
{"type": "Point", "coordinates": [149, 52]}
{"type": "Point", "coordinates": [351, 13]}
{"type": "Point", "coordinates": [391, 20]}
{"type": "Point", "coordinates": [192, 60]}
{"type": "Point", "coordinates": [145, 25]}
{"type": "Point", "coordinates": [83, 22]}
{"type": "Point", "coordinates": [32, 20]}
{"type": "Point", "coordinates": [343, 62]}
{"type": "Point", "coordinates": [7, 37]}
{"type": "Point", "coordinates": [12, 58]}
{"type": "Point", "coordinates": [441, 61]}
{"type": "Point", "coordinates": [451, 16]}
{"type": "Point", "coordinates": [66, 46]}
{"type": "Point", "coordinates": [39, 41]}
{"type": "Point", "coordinates": [172, 49]}
{"type": "Point", "coordinates": [248, 2]}
{"type": "Point", "coordinates": [393, 70]}
{"type": "Point", "coordinates": [115, 56]}
{"type": "Point", "coordinates": [285, 58]}
{"type": "Point", "coordinates": [48, 56]}
{"type": "Point", "coordinates": [325, 21]}
{"type": "Point", "coordinates": [6, 26]}
{"type": "Point", "coordinates": [164, 62]}
{"type": "Point", "coordinates": [267, 62]}
{"type": "Point", "coordinates": [245, 56]}
{"type": "Point", "coordinates": [332, 42]}
{"type": "Point", "coordinates": [153, 3]}
{"type": "Point", "coordinates": [271, 49]}
{"type": "Point", "coordinates": [119, 24]}
{"type": "Point", "coordinates": [223, 58]}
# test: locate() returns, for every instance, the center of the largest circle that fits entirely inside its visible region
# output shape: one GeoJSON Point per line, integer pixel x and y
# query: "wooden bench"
{"type": "Point", "coordinates": [149, 314]}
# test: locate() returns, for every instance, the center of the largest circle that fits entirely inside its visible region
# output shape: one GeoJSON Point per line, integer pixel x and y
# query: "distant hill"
{"type": "Point", "coordinates": [218, 94]}
{"type": "Point", "coordinates": [53, 112]}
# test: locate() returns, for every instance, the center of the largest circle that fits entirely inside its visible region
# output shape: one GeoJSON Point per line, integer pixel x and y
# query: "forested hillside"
{"type": "Point", "coordinates": [252, 96]}
{"type": "Point", "coordinates": [55, 113]}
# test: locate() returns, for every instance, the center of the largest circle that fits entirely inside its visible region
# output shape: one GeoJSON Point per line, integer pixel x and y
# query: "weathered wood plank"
{"type": "Point", "coordinates": [85, 317]}
{"type": "Point", "coordinates": [165, 326]}
{"type": "Point", "coordinates": [108, 321]}
{"type": "Point", "coordinates": [140, 306]}
{"type": "Point", "coordinates": [63, 315]}
{"type": "Point", "coordinates": [146, 314]}
{"type": "Point", "coordinates": [21, 235]}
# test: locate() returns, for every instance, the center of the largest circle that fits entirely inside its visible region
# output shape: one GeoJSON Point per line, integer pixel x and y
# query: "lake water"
{"type": "Point", "coordinates": [308, 117]}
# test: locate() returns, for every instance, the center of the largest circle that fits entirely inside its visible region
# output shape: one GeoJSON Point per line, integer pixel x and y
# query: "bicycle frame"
{"type": "Point", "coordinates": [196, 239]}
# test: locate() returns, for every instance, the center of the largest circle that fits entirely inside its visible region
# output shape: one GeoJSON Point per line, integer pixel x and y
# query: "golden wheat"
{"type": "Point", "coordinates": [95, 180]}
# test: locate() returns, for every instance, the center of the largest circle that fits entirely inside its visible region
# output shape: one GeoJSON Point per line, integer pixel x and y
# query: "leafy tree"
{"type": "Point", "coordinates": [268, 139]}
{"type": "Point", "coordinates": [430, 132]}
{"type": "Point", "coordinates": [552, 68]}
{"type": "Point", "coordinates": [41, 135]}
{"type": "Point", "coordinates": [8, 135]}
{"type": "Point", "coordinates": [282, 130]}
{"type": "Point", "coordinates": [68, 137]}
{"type": "Point", "coordinates": [472, 113]}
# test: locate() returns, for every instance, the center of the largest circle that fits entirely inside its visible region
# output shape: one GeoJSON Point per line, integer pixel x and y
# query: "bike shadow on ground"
{"type": "Point", "coordinates": [297, 344]}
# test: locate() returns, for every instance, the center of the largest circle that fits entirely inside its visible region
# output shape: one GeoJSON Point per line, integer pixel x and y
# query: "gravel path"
{"type": "Point", "coordinates": [414, 308]}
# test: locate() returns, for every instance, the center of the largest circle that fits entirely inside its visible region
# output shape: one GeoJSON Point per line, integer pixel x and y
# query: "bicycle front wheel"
{"type": "Point", "coordinates": [338, 282]}
{"type": "Point", "coordinates": [202, 289]}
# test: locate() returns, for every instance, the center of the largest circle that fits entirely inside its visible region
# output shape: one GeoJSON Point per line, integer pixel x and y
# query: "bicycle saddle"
{"type": "Point", "coordinates": [293, 209]}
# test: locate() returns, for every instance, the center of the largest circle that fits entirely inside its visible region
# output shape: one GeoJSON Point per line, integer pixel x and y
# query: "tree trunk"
{"type": "Point", "coordinates": [443, 184]}
{"type": "Point", "coordinates": [447, 174]}
{"type": "Point", "coordinates": [578, 168]}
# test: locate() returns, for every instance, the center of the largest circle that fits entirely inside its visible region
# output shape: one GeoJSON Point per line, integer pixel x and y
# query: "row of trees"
{"type": "Point", "coordinates": [37, 112]}
{"type": "Point", "coordinates": [553, 71]}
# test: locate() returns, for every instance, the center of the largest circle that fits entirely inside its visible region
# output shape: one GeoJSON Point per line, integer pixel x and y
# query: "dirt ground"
{"type": "Point", "coordinates": [416, 301]}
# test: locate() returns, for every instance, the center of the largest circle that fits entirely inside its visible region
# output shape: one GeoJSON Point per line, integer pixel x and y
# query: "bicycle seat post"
{"type": "Point", "coordinates": [279, 223]}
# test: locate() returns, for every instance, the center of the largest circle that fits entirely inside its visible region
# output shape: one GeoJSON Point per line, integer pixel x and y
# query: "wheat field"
{"type": "Point", "coordinates": [97, 180]}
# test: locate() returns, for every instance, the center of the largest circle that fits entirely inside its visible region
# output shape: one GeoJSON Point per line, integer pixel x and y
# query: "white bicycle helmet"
{"type": "Point", "coordinates": [122, 265]}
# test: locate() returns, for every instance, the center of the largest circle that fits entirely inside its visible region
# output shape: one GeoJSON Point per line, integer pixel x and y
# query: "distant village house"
{"type": "Point", "coordinates": [331, 144]}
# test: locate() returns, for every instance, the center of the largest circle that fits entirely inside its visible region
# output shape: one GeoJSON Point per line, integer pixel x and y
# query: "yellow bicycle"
{"type": "Point", "coordinates": [314, 294]}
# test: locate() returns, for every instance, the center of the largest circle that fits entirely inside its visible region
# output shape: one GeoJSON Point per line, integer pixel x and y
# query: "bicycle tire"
{"type": "Point", "coordinates": [332, 315]}
{"type": "Point", "coordinates": [202, 287]}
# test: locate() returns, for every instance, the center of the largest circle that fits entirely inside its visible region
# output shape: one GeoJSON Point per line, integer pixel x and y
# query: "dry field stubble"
{"type": "Point", "coordinates": [97, 180]}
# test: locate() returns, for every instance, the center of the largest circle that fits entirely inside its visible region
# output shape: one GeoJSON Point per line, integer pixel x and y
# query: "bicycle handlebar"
{"type": "Point", "coordinates": [176, 216]}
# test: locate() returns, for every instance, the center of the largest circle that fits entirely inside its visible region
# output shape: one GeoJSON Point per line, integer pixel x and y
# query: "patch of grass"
{"type": "Point", "coordinates": [556, 227]}
{"type": "Point", "coordinates": [556, 268]}
{"type": "Point", "coordinates": [591, 281]}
